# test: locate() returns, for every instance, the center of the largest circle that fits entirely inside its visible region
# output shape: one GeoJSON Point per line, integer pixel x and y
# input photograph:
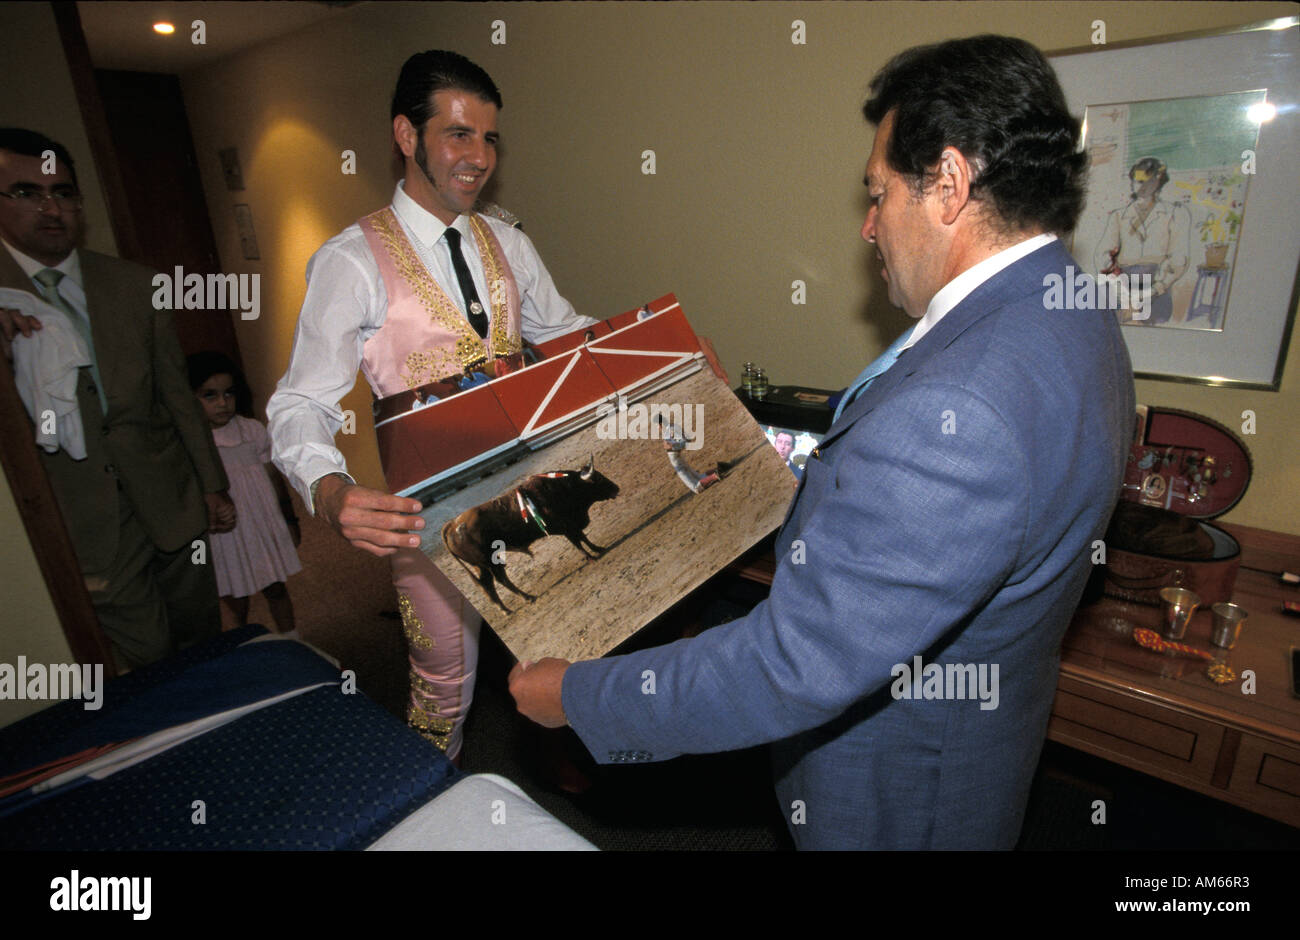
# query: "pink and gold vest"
{"type": "Point", "coordinates": [425, 338]}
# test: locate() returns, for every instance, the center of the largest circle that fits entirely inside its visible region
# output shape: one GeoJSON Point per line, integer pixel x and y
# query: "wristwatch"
{"type": "Point", "coordinates": [316, 485]}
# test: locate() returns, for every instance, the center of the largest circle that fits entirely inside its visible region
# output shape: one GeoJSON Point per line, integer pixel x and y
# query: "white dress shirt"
{"type": "Point", "coordinates": [346, 303]}
{"type": "Point", "coordinates": [957, 290]}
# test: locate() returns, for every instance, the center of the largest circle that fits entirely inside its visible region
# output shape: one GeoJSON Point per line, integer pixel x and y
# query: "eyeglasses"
{"type": "Point", "coordinates": [33, 200]}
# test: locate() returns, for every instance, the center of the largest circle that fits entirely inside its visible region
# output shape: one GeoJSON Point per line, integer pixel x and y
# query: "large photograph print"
{"type": "Point", "coordinates": [627, 474]}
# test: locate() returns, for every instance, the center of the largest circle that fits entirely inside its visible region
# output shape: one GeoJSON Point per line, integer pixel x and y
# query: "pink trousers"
{"type": "Point", "coordinates": [441, 630]}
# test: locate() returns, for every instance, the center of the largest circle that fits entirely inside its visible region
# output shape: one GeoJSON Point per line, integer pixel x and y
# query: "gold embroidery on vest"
{"type": "Point", "coordinates": [431, 365]}
{"type": "Point", "coordinates": [503, 342]}
{"type": "Point", "coordinates": [427, 365]}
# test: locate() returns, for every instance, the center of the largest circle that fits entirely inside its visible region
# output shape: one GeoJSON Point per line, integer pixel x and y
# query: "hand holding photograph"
{"type": "Point", "coordinates": [603, 483]}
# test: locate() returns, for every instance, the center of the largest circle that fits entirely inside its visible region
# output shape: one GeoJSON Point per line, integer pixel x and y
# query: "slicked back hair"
{"type": "Point", "coordinates": [997, 101]}
{"type": "Point", "coordinates": [438, 70]}
{"type": "Point", "coordinates": [27, 143]}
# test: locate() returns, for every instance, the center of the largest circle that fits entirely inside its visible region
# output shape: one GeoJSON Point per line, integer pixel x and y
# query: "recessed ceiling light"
{"type": "Point", "coordinates": [164, 29]}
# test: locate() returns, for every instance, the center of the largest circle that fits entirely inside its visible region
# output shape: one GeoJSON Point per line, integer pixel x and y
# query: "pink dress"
{"type": "Point", "coordinates": [259, 551]}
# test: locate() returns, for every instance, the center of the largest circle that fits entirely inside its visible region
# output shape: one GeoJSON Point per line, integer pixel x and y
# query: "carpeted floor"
{"type": "Point", "coordinates": [344, 603]}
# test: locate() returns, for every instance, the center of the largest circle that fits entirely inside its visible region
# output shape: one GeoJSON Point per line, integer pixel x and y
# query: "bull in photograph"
{"type": "Point", "coordinates": [555, 503]}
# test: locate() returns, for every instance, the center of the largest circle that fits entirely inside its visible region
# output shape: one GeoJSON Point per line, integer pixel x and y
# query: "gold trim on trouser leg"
{"type": "Point", "coordinates": [422, 712]}
{"type": "Point", "coordinates": [412, 625]}
{"type": "Point", "coordinates": [424, 716]}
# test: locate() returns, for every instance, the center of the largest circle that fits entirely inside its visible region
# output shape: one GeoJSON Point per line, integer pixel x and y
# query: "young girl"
{"type": "Point", "coordinates": [258, 554]}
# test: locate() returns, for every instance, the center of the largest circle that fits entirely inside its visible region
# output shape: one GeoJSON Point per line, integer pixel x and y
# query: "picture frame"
{"type": "Point", "coordinates": [247, 234]}
{"type": "Point", "coordinates": [230, 169]}
{"type": "Point", "coordinates": [1233, 318]}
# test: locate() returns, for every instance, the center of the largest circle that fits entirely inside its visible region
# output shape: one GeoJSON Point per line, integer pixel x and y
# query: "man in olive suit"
{"type": "Point", "coordinates": [151, 482]}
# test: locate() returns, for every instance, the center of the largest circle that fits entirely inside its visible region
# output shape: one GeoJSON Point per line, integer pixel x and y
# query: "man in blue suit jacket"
{"type": "Point", "coordinates": [905, 663]}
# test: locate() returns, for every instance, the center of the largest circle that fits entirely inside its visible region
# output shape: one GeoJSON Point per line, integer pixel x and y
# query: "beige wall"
{"type": "Point", "coordinates": [37, 94]}
{"type": "Point", "coordinates": [30, 625]}
{"type": "Point", "coordinates": [759, 146]}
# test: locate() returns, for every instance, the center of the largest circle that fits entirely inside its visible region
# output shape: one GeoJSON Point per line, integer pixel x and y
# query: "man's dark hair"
{"type": "Point", "coordinates": [31, 144]}
{"type": "Point", "coordinates": [437, 70]}
{"type": "Point", "coordinates": [997, 101]}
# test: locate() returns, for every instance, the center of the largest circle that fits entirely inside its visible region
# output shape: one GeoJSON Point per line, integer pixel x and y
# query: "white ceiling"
{"type": "Point", "coordinates": [120, 34]}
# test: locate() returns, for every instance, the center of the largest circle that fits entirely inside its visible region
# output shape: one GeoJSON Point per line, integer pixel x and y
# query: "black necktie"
{"type": "Point", "coordinates": [477, 318]}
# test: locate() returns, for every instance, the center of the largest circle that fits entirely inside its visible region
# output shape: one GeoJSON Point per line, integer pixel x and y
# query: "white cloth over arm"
{"type": "Point", "coordinates": [45, 371]}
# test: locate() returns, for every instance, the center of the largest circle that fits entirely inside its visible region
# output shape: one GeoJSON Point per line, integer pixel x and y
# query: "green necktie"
{"type": "Point", "coordinates": [49, 279]}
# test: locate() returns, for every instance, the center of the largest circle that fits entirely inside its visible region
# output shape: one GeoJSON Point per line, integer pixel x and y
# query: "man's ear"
{"type": "Point", "coordinates": [405, 135]}
{"type": "Point", "coordinates": [954, 183]}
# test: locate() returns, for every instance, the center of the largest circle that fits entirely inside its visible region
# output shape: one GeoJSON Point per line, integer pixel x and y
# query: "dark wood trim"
{"type": "Point", "coordinates": [46, 531]}
{"type": "Point", "coordinates": [101, 141]}
{"type": "Point", "coordinates": [1227, 759]}
{"type": "Point", "coordinates": [1265, 550]}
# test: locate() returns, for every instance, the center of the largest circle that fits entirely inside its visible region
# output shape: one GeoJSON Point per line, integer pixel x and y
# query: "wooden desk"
{"type": "Point", "coordinates": [1162, 715]}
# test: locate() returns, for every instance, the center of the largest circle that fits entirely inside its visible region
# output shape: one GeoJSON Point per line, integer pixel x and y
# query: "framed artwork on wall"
{"type": "Point", "coordinates": [1194, 151]}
